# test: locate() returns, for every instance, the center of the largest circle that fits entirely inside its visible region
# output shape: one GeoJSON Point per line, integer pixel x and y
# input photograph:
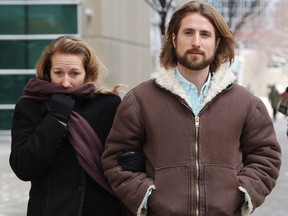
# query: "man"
{"type": "Point", "coordinates": [274, 99]}
{"type": "Point", "coordinates": [209, 145]}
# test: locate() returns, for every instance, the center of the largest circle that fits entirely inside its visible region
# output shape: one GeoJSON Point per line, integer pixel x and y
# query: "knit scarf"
{"type": "Point", "coordinates": [85, 142]}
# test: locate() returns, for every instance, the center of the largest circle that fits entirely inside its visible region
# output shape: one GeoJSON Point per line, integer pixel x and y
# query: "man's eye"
{"type": "Point", "coordinates": [188, 33]}
{"type": "Point", "coordinates": [205, 34]}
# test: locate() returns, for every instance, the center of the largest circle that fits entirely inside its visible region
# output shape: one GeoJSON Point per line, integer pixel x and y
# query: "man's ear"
{"type": "Point", "coordinates": [173, 39]}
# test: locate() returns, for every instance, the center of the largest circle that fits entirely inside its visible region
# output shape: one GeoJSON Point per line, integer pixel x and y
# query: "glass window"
{"type": "Point", "coordinates": [52, 19]}
{"type": "Point", "coordinates": [6, 119]}
{"type": "Point", "coordinates": [21, 54]}
{"type": "Point", "coordinates": [11, 87]}
{"type": "Point", "coordinates": [12, 55]}
{"type": "Point", "coordinates": [35, 49]}
{"type": "Point", "coordinates": [12, 19]}
{"type": "Point", "coordinates": [38, 19]}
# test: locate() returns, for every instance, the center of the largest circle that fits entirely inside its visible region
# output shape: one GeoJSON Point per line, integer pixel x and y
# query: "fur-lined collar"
{"type": "Point", "coordinates": [220, 81]}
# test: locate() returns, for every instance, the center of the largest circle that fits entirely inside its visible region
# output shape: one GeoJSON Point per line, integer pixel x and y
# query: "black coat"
{"type": "Point", "coordinates": [42, 154]}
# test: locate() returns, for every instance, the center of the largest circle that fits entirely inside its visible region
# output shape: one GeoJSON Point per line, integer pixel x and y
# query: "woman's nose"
{"type": "Point", "coordinates": [66, 83]}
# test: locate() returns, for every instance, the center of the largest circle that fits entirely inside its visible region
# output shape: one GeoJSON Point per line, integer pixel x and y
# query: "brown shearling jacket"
{"type": "Point", "coordinates": [224, 161]}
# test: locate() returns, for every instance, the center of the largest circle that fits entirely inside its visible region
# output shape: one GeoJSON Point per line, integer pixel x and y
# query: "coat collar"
{"type": "Point", "coordinates": [220, 81]}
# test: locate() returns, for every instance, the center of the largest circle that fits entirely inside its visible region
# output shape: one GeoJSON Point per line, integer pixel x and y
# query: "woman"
{"type": "Point", "coordinates": [59, 127]}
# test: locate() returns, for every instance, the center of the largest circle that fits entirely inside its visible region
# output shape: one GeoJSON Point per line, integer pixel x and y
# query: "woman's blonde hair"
{"type": "Point", "coordinates": [73, 45]}
{"type": "Point", "coordinates": [225, 50]}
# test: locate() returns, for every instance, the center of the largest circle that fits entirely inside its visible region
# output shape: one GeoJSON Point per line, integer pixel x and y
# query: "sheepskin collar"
{"type": "Point", "coordinates": [167, 80]}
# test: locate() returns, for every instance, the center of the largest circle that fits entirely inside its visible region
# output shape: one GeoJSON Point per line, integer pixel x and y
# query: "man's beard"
{"type": "Point", "coordinates": [194, 64]}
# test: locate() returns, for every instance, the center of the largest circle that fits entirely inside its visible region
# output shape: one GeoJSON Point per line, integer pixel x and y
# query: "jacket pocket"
{"type": "Point", "coordinates": [223, 198]}
{"type": "Point", "coordinates": [171, 196]}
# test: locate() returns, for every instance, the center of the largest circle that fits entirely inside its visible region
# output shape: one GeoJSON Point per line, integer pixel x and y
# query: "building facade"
{"type": "Point", "coordinates": [118, 31]}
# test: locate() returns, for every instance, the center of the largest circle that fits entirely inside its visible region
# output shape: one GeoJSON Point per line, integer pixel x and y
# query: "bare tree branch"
{"type": "Point", "coordinates": [153, 6]}
{"type": "Point", "coordinates": [162, 10]}
{"type": "Point", "coordinates": [247, 15]}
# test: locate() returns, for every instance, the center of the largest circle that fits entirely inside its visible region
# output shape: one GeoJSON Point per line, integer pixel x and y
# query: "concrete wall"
{"type": "Point", "coordinates": [258, 76]}
{"type": "Point", "coordinates": [254, 68]}
{"type": "Point", "coordinates": [119, 32]}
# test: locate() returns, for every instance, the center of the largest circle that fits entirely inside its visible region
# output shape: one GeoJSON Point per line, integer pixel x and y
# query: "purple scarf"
{"type": "Point", "coordinates": [86, 144]}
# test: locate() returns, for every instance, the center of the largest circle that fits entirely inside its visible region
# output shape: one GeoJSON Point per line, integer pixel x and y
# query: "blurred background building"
{"type": "Point", "coordinates": [126, 35]}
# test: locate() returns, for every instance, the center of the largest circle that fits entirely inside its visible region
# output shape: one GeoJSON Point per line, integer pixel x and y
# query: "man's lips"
{"type": "Point", "coordinates": [194, 52]}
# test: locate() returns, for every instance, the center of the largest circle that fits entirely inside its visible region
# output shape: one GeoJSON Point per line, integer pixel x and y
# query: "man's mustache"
{"type": "Point", "coordinates": [194, 51]}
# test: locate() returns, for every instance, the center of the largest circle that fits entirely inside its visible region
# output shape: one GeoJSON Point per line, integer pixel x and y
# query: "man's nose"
{"type": "Point", "coordinates": [196, 40]}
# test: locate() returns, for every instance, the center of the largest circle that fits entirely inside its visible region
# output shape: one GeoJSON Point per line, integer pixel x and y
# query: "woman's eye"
{"type": "Point", "coordinates": [74, 74]}
{"type": "Point", "coordinates": [58, 73]}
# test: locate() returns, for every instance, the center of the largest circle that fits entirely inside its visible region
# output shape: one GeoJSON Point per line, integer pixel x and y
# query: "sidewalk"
{"type": "Point", "coordinates": [13, 192]}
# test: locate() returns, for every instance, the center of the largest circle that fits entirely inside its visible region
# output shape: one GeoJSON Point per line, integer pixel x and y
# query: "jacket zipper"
{"type": "Point", "coordinates": [197, 187]}
{"type": "Point", "coordinates": [197, 163]}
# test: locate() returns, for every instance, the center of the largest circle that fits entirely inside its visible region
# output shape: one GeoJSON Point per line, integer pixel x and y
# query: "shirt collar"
{"type": "Point", "coordinates": [186, 85]}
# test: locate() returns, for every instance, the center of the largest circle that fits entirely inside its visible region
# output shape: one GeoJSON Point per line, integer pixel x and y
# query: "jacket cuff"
{"type": "Point", "coordinates": [142, 210]}
{"type": "Point", "coordinates": [247, 207]}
